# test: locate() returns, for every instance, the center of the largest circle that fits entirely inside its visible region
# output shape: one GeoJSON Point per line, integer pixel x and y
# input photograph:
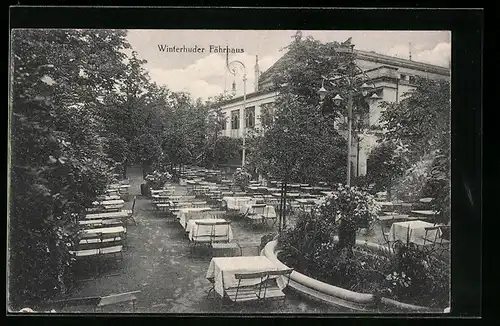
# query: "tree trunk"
{"type": "Point", "coordinates": [284, 205]}
{"type": "Point", "coordinates": [125, 169]}
{"type": "Point", "coordinates": [281, 209]}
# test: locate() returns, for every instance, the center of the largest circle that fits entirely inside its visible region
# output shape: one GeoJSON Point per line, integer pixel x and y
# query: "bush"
{"type": "Point", "coordinates": [311, 248]}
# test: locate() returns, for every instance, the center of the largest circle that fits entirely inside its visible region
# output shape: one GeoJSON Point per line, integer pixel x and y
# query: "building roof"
{"type": "Point", "coordinates": [368, 56]}
{"type": "Point", "coordinates": [249, 96]}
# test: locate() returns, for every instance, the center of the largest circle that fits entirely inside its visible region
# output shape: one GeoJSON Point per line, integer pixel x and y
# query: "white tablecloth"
{"type": "Point", "coordinates": [233, 265]}
{"type": "Point", "coordinates": [121, 214]}
{"type": "Point", "coordinates": [416, 230]}
{"type": "Point", "coordinates": [185, 214]}
{"type": "Point", "coordinates": [115, 229]}
{"type": "Point", "coordinates": [267, 211]}
{"type": "Point", "coordinates": [201, 230]}
{"type": "Point", "coordinates": [237, 202]}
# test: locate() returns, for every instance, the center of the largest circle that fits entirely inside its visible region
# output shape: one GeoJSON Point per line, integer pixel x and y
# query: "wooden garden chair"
{"type": "Point", "coordinates": [130, 213]}
{"type": "Point", "coordinates": [113, 299]}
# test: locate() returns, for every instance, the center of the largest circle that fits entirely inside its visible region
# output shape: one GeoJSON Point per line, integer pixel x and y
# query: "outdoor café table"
{"type": "Point", "coordinates": [107, 215]}
{"type": "Point", "coordinates": [185, 214]}
{"type": "Point", "coordinates": [269, 211]}
{"type": "Point", "coordinates": [202, 230]}
{"type": "Point", "coordinates": [425, 213]}
{"type": "Point", "coordinates": [113, 204]}
{"type": "Point", "coordinates": [327, 193]}
{"type": "Point", "coordinates": [112, 197]}
{"type": "Point", "coordinates": [237, 202]}
{"type": "Point", "coordinates": [305, 201]}
{"type": "Point", "coordinates": [105, 230]}
{"type": "Point", "coordinates": [112, 192]}
{"type": "Point", "coordinates": [101, 221]}
{"type": "Point", "coordinates": [233, 265]}
{"type": "Point", "coordinates": [411, 231]}
{"type": "Point", "coordinates": [190, 204]}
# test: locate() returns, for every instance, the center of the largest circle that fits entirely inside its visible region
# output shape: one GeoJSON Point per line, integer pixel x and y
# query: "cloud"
{"type": "Point", "coordinates": [195, 77]}
{"type": "Point", "coordinates": [439, 55]}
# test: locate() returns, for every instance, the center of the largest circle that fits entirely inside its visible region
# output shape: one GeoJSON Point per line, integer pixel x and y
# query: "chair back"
{"type": "Point", "coordinates": [249, 276]}
{"type": "Point", "coordinates": [259, 209]}
{"type": "Point", "coordinates": [216, 214]}
{"type": "Point", "coordinates": [133, 204]}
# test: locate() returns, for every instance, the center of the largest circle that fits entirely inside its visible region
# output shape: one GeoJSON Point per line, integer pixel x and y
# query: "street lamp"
{"type": "Point", "coordinates": [365, 90]}
{"type": "Point", "coordinates": [231, 66]}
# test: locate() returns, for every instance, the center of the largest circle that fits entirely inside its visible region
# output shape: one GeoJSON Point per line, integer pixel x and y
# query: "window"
{"type": "Point", "coordinates": [235, 119]}
{"type": "Point", "coordinates": [250, 117]}
{"type": "Point", "coordinates": [222, 122]}
{"type": "Point", "coordinates": [403, 77]}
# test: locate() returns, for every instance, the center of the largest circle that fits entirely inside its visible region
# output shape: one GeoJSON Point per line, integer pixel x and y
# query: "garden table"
{"type": "Point", "coordinates": [411, 231]}
{"type": "Point", "coordinates": [426, 213]}
{"type": "Point", "coordinates": [112, 197]}
{"type": "Point", "coordinates": [185, 214]}
{"type": "Point", "coordinates": [105, 230]}
{"type": "Point", "coordinates": [269, 211]}
{"type": "Point", "coordinates": [233, 265]}
{"type": "Point", "coordinates": [237, 202]}
{"type": "Point", "coordinates": [112, 202]}
{"type": "Point", "coordinates": [107, 215]}
{"type": "Point", "coordinates": [206, 230]}
{"type": "Point", "coordinates": [106, 221]}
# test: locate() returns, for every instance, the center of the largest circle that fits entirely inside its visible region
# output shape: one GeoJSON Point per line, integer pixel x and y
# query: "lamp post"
{"type": "Point", "coordinates": [365, 90]}
{"type": "Point", "coordinates": [231, 66]}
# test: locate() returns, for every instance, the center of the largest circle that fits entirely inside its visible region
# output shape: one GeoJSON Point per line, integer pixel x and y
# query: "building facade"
{"type": "Point", "coordinates": [391, 76]}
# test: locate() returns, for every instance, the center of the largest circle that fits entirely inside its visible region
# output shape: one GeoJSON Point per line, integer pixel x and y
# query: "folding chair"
{"type": "Point", "coordinates": [216, 214]}
{"type": "Point", "coordinates": [130, 213]}
{"type": "Point", "coordinates": [114, 299]}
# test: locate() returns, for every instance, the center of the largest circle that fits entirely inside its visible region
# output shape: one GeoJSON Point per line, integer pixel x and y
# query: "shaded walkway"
{"type": "Point", "coordinates": [158, 262]}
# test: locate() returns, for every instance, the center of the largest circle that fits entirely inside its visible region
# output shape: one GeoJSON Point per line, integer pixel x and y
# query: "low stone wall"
{"type": "Point", "coordinates": [330, 294]}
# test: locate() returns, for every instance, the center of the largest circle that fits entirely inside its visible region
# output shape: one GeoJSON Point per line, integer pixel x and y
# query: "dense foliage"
{"type": "Point", "coordinates": [58, 149]}
{"type": "Point", "coordinates": [418, 128]}
{"type": "Point", "coordinates": [410, 275]}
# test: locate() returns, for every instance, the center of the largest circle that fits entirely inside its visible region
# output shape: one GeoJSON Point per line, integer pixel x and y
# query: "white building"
{"type": "Point", "coordinates": [391, 76]}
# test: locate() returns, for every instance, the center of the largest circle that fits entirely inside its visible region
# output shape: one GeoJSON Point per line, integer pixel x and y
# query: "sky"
{"type": "Point", "coordinates": [204, 74]}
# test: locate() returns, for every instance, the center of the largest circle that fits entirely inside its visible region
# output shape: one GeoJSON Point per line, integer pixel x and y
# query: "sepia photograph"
{"type": "Point", "coordinates": [229, 171]}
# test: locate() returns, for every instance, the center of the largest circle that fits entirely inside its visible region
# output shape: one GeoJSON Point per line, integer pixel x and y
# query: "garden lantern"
{"type": "Point", "coordinates": [365, 88]}
{"type": "Point", "coordinates": [337, 99]}
{"type": "Point", "coordinates": [322, 93]}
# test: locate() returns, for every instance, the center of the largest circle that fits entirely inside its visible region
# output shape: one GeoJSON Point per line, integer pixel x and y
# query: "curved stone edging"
{"type": "Point", "coordinates": [335, 295]}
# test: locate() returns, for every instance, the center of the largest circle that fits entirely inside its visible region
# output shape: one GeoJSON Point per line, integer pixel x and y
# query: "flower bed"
{"type": "Point", "coordinates": [322, 245]}
{"type": "Point", "coordinates": [370, 270]}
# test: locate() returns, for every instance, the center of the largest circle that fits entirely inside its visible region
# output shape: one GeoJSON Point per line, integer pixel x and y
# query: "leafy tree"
{"type": "Point", "coordinates": [302, 144]}
{"type": "Point", "coordinates": [420, 125]}
{"type": "Point", "coordinates": [57, 159]}
{"type": "Point", "coordinates": [385, 166]}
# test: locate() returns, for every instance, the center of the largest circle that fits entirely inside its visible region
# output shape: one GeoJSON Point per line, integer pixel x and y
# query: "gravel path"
{"type": "Point", "coordinates": [171, 279]}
